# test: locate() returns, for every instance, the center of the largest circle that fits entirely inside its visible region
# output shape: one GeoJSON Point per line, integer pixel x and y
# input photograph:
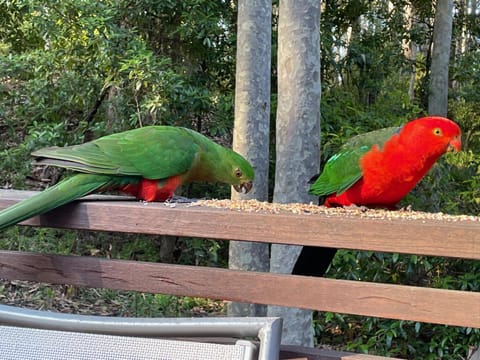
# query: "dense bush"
{"type": "Point", "coordinates": [75, 70]}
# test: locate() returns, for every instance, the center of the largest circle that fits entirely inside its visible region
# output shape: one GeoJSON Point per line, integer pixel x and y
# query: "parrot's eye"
{"type": "Point", "coordinates": [238, 172]}
{"type": "Point", "coordinates": [437, 132]}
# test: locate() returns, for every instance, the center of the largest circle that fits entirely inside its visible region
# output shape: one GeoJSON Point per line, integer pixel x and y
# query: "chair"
{"type": "Point", "coordinates": [32, 334]}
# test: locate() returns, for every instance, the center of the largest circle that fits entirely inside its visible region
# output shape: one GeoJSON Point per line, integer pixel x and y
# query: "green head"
{"type": "Point", "coordinates": [216, 163]}
{"type": "Point", "coordinates": [240, 172]}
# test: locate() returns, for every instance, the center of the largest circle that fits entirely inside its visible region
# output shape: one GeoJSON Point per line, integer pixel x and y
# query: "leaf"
{"type": "Point", "coordinates": [417, 327]}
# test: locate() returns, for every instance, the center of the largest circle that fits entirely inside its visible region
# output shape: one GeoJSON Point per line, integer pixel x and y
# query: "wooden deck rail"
{"type": "Point", "coordinates": [450, 238]}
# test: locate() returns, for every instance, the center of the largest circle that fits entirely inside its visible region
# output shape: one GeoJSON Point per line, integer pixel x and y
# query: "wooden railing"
{"type": "Point", "coordinates": [448, 237]}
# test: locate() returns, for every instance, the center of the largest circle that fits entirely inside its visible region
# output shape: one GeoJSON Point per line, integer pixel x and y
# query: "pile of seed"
{"type": "Point", "coordinates": [309, 209]}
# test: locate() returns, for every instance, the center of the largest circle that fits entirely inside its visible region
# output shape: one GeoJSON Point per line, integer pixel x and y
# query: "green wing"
{"type": "Point", "coordinates": [343, 169]}
{"type": "Point", "coordinates": [152, 152]}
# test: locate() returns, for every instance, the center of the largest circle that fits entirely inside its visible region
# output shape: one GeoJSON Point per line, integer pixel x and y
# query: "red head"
{"type": "Point", "coordinates": [434, 135]}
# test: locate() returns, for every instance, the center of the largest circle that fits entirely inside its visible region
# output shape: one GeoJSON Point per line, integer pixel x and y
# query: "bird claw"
{"type": "Point", "coordinates": [180, 200]}
{"type": "Point", "coordinates": [360, 208]}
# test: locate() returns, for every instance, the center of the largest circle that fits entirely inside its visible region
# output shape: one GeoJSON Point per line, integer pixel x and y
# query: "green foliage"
{"type": "Point", "coordinates": [203, 252]}
{"type": "Point", "coordinates": [42, 240]}
{"type": "Point", "coordinates": [74, 70]}
{"type": "Point", "coordinates": [344, 115]}
{"type": "Point", "coordinates": [405, 339]}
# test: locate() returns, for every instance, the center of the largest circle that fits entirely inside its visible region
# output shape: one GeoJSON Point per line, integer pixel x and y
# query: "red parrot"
{"type": "Point", "coordinates": [377, 169]}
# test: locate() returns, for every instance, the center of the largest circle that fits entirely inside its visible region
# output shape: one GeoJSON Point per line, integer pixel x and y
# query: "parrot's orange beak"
{"type": "Point", "coordinates": [455, 144]}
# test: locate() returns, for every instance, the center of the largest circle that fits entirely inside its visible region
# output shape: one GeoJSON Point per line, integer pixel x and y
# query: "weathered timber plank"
{"type": "Point", "coordinates": [293, 352]}
{"type": "Point", "coordinates": [342, 296]}
{"type": "Point", "coordinates": [452, 239]}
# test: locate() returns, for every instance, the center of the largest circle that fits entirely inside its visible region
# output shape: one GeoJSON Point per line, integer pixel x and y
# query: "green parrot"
{"type": "Point", "coordinates": [148, 163]}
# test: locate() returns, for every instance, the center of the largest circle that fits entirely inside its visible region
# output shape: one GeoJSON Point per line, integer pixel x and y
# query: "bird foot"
{"type": "Point", "coordinates": [180, 200]}
{"type": "Point", "coordinates": [354, 207]}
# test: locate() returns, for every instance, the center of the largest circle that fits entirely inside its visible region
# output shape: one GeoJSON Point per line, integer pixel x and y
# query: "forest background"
{"type": "Point", "coordinates": [75, 70]}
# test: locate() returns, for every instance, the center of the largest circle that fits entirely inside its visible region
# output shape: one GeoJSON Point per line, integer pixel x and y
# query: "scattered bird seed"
{"type": "Point", "coordinates": [311, 209]}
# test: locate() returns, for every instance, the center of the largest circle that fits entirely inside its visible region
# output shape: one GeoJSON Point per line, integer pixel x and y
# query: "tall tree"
{"type": "Point", "coordinates": [410, 49]}
{"type": "Point", "coordinates": [442, 36]}
{"type": "Point", "coordinates": [252, 126]}
{"type": "Point", "coordinates": [297, 135]}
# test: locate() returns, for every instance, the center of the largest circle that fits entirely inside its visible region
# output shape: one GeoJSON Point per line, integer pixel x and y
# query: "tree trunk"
{"type": "Point", "coordinates": [462, 39]}
{"type": "Point", "coordinates": [474, 355]}
{"type": "Point", "coordinates": [410, 50]}
{"type": "Point", "coordinates": [252, 127]}
{"type": "Point", "coordinates": [297, 136]}
{"type": "Point", "coordinates": [442, 36]}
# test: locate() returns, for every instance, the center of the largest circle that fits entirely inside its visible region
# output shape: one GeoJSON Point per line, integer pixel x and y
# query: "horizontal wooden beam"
{"type": "Point", "coordinates": [423, 236]}
{"type": "Point", "coordinates": [448, 307]}
{"type": "Point", "coordinates": [293, 352]}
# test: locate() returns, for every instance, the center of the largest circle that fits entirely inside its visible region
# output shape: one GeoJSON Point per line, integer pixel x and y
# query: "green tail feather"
{"type": "Point", "coordinates": [60, 194]}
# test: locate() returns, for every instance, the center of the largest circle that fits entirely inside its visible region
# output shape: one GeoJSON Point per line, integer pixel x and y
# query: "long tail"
{"type": "Point", "coordinates": [60, 194]}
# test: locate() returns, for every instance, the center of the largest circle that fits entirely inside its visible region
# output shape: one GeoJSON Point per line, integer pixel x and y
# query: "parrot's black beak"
{"type": "Point", "coordinates": [244, 187]}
